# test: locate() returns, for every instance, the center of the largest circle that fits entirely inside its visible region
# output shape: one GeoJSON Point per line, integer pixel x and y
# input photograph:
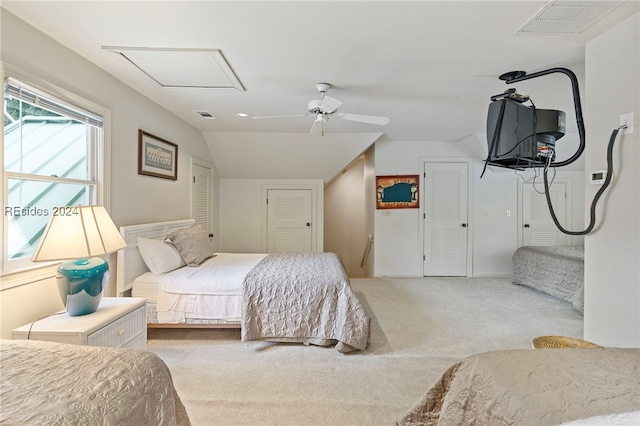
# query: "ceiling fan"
{"type": "Point", "coordinates": [327, 107]}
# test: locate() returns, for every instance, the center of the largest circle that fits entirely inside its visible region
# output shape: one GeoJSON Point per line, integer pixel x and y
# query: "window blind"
{"type": "Point", "coordinates": [16, 90]}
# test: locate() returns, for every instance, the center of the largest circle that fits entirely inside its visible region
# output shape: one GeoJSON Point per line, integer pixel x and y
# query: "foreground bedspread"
{"type": "Point", "coordinates": [62, 384]}
{"type": "Point", "coordinates": [532, 387]}
{"type": "Point", "coordinates": [303, 297]}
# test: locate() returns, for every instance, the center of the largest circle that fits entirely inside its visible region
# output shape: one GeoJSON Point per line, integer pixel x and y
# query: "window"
{"type": "Point", "coordinates": [53, 157]}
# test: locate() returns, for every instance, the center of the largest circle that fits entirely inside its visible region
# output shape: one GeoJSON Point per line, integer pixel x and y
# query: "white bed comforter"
{"type": "Point", "coordinates": [286, 297]}
{"type": "Point", "coordinates": [303, 297]}
{"type": "Point", "coordinates": [62, 384]}
{"type": "Point", "coordinates": [219, 276]}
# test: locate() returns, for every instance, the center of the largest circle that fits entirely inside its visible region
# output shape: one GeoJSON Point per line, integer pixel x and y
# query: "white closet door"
{"type": "Point", "coordinates": [289, 220]}
{"type": "Point", "coordinates": [445, 220]}
{"type": "Point", "coordinates": [201, 196]}
{"type": "Point", "coordinates": [538, 227]}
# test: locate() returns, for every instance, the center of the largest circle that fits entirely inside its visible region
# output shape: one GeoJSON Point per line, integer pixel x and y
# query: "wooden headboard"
{"type": "Point", "coordinates": [130, 264]}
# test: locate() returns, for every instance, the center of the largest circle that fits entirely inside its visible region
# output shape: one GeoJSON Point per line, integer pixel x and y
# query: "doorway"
{"type": "Point", "coordinates": [289, 220]}
{"type": "Point", "coordinates": [445, 217]}
{"type": "Point", "coordinates": [201, 194]}
{"type": "Point", "coordinates": [538, 228]}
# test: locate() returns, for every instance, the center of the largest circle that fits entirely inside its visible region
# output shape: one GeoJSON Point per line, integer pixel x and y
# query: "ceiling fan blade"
{"type": "Point", "coordinates": [318, 125]}
{"type": "Point", "coordinates": [370, 119]}
{"type": "Point", "coordinates": [280, 116]}
{"type": "Point", "coordinates": [330, 104]}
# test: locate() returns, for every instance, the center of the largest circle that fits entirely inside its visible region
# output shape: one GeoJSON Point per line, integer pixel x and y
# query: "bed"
{"type": "Point", "coordinates": [555, 270]}
{"type": "Point", "coordinates": [282, 297]}
{"type": "Point", "coordinates": [534, 387]}
{"type": "Point", "coordinates": [58, 383]}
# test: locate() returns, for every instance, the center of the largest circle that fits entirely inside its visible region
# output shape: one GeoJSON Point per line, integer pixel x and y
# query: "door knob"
{"type": "Point", "coordinates": [308, 224]}
{"type": "Point", "coordinates": [464, 225]}
{"type": "Point", "coordinates": [526, 225]}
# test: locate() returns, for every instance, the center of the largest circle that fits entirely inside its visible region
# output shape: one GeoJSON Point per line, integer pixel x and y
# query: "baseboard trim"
{"type": "Point", "coordinates": [493, 275]}
{"type": "Point", "coordinates": [483, 275]}
{"type": "Point", "coordinates": [397, 276]}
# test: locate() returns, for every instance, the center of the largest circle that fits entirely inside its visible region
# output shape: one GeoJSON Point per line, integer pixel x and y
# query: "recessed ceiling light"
{"type": "Point", "coordinates": [242, 115]}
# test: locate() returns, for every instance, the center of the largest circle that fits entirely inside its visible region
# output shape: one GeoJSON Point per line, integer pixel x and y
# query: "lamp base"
{"type": "Point", "coordinates": [81, 284]}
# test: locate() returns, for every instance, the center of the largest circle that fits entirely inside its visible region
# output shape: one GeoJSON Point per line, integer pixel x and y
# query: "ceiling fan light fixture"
{"type": "Point", "coordinates": [322, 87]}
{"type": "Point", "coordinates": [318, 124]}
{"type": "Point", "coordinates": [315, 106]}
{"type": "Point", "coordinates": [326, 107]}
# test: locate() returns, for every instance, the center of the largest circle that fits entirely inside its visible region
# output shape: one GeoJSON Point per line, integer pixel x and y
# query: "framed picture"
{"type": "Point", "coordinates": [157, 157]}
{"type": "Point", "coordinates": [397, 192]}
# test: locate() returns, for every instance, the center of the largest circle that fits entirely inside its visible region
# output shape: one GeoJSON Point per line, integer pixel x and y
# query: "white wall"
{"type": "Point", "coordinates": [397, 237]}
{"type": "Point", "coordinates": [612, 250]}
{"type": "Point", "coordinates": [344, 218]}
{"type": "Point", "coordinates": [275, 155]}
{"type": "Point", "coordinates": [134, 198]}
{"type": "Point", "coordinates": [370, 206]}
{"type": "Point", "coordinates": [495, 236]}
{"type": "Point", "coordinates": [399, 241]}
{"type": "Point", "coordinates": [243, 212]}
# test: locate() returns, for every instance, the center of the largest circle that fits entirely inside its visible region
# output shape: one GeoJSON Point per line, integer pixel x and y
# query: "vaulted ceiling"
{"type": "Point", "coordinates": [429, 66]}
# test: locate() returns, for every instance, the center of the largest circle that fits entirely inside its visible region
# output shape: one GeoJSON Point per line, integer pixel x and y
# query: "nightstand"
{"type": "Point", "coordinates": [119, 322]}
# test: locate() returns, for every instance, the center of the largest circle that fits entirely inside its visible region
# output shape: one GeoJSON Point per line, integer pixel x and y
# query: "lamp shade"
{"type": "Point", "coordinates": [88, 231]}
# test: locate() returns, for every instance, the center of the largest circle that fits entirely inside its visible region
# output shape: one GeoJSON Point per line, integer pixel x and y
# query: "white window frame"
{"type": "Point", "coordinates": [24, 271]}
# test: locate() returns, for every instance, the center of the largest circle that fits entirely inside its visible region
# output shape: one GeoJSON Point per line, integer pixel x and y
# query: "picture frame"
{"type": "Point", "coordinates": [398, 192]}
{"type": "Point", "coordinates": [157, 157]}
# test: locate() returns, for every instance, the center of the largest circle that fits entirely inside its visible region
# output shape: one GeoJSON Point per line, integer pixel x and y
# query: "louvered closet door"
{"type": "Point", "coordinates": [289, 221]}
{"type": "Point", "coordinates": [201, 196]}
{"type": "Point", "coordinates": [538, 227]}
{"type": "Point", "coordinates": [445, 219]}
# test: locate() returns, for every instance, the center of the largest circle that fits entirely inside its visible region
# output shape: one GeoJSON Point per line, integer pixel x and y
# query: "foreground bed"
{"type": "Point", "coordinates": [555, 270]}
{"type": "Point", "coordinates": [533, 387]}
{"type": "Point", "coordinates": [284, 297]}
{"type": "Point", "coordinates": [56, 383]}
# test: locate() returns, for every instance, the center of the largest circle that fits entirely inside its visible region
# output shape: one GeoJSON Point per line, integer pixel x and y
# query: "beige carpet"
{"type": "Point", "coordinates": [419, 327]}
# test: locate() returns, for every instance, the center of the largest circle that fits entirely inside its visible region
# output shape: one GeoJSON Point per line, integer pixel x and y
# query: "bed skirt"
{"type": "Point", "coordinates": [152, 321]}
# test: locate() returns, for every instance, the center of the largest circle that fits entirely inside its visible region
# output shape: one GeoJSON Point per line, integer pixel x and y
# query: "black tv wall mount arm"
{"type": "Point", "coordinates": [516, 76]}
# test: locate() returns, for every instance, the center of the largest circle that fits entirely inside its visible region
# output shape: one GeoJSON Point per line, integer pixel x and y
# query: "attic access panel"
{"type": "Point", "coordinates": [181, 68]}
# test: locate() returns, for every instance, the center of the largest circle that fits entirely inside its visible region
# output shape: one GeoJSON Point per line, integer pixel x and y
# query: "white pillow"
{"type": "Point", "coordinates": [159, 256]}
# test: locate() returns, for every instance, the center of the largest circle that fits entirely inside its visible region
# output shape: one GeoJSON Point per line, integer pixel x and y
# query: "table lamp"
{"type": "Point", "coordinates": [78, 236]}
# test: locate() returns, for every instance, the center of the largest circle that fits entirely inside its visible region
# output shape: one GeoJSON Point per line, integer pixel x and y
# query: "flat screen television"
{"type": "Point", "coordinates": [521, 136]}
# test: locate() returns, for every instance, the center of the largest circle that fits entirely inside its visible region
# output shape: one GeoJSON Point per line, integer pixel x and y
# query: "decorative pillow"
{"type": "Point", "coordinates": [159, 256]}
{"type": "Point", "coordinates": [193, 244]}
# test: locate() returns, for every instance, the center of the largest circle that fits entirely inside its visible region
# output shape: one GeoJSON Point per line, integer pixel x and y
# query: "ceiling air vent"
{"type": "Point", "coordinates": [567, 16]}
{"type": "Point", "coordinates": [204, 114]}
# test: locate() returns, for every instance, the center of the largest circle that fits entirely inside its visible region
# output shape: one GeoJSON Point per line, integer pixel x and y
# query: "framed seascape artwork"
{"type": "Point", "coordinates": [157, 157]}
{"type": "Point", "coordinates": [397, 192]}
